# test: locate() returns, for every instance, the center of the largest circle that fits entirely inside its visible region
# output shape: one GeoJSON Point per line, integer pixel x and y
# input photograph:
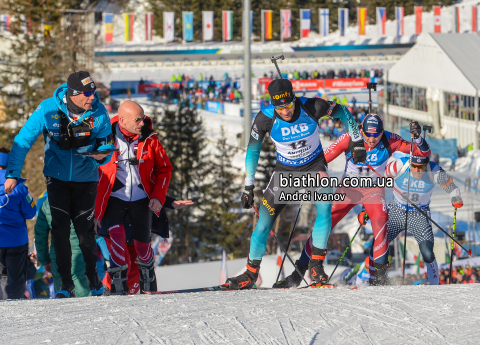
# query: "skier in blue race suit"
{"type": "Point", "coordinates": [293, 126]}
{"type": "Point", "coordinates": [73, 121]}
{"type": "Point", "coordinates": [424, 175]}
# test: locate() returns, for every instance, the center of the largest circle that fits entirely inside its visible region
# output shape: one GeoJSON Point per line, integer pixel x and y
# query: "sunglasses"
{"type": "Point", "coordinates": [288, 106]}
{"type": "Point", "coordinates": [418, 166]}
{"type": "Point", "coordinates": [139, 119]}
{"type": "Point", "coordinates": [372, 135]}
{"type": "Point", "coordinates": [85, 93]}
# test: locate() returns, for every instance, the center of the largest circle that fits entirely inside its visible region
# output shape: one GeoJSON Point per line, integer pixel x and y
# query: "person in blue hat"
{"type": "Point", "coordinates": [14, 209]}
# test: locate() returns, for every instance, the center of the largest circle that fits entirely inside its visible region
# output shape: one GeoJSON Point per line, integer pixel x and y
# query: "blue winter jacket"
{"type": "Point", "coordinates": [62, 164]}
{"type": "Point", "coordinates": [14, 209]}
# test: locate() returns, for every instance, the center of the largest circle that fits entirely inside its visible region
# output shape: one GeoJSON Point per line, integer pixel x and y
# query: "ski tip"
{"type": "Point", "coordinates": [328, 286]}
{"type": "Point", "coordinates": [469, 252]}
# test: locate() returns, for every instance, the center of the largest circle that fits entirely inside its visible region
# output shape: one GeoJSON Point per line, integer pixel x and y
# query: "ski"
{"type": "Point", "coordinates": [205, 289]}
{"type": "Point", "coordinates": [225, 288]}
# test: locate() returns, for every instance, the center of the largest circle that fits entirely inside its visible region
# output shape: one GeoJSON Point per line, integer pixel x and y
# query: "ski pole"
{"type": "Point", "coordinates": [281, 247]}
{"type": "Point", "coordinates": [453, 235]}
{"type": "Point", "coordinates": [406, 215]}
{"type": "Point", "coordinates": [424, 214]}
{"type": "Point", "coordinates": [290, 239]}
{"type": "Point", "coordinates": [346, 249]}
{"type": "Point", "coordinates": [426, 129]}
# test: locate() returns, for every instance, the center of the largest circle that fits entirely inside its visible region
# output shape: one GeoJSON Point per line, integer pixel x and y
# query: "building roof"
{"type": "Point", "coordinates": [464, 51]}
{"type": "Point", "coordinates": [447, 62]}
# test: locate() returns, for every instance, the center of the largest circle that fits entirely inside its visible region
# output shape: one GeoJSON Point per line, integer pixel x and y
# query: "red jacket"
{"type": "Point", "coordinates": [155, 171]}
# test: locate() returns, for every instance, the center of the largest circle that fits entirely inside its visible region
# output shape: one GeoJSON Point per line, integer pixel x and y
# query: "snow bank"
{"type": "Point", "coordinates": [371, 315]}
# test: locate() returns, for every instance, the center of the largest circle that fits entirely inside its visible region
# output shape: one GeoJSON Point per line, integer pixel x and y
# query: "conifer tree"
{"type": "Point", "coordinates": [223, 223]}
{"type": "Point", "coordinates": [181, 134]}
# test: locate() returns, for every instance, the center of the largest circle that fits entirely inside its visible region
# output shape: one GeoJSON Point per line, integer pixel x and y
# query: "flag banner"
{"type": "Point", "coordinates": [267, 22]}
{"type": "Point", "coordinates": [169, 26]}
{"type": "Point", "coordinates": [286, 17]}
{"type": "Point", "coordinates": [148, 26]}
{"type": "Point", "coordinates": [5, 19]}
{"type": "Point", "coordinates": [324, 20]}
{"type": "Point", "coordinates": [437, 26]}
{"type": "Point", "coordinates": [279, 263]}
{"type": "Point", "coordinates": [399, 16]}
{"type": "Point", "coordinates": [456, 20]}
{"type": "Point", "coordinates": [343, 21]}
{"type": "Point", "coordinates": [381, 20]}
{"type": "Point", "coordinates": [207, 22]}
{"type": "Point", "coordinates": [108, 26]}
{"type": "Point", "coordinates": [304, 23]}
{"type": "Point", "coordinates": [362, 20]}
{"type": "Point", "coordinates": [188, 26]}
{"type": "Point", "coordinates": [129, 20]}
{"type": "Point", "coordinates": [223, 269]}
{"type": "Point", "coordinates": [418, 19]}
{"type": "Point", "coordinates": [474, 19]}
{"type": "Point", "coordinates": [227, 22]}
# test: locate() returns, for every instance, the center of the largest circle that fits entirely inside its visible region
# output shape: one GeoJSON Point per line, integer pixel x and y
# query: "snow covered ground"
{"type": "Point", "coordinates": [371, 315]}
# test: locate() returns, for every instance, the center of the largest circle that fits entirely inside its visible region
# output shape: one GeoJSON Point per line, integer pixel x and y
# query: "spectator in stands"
{"type": "Point", "coordinates": [354, 102]}
{"type": "Point", "coordinates": [14, 209]}
{"type": "Point", "coordinates": [468, 182]}
{"type": "Point", "coordinates": [453, 158]}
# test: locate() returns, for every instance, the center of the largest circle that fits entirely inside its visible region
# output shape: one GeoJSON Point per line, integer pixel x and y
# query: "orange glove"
{"type": "Point", "coordinates": [363, 218]}
{"type": "Point", "coordinates": [457, 202]}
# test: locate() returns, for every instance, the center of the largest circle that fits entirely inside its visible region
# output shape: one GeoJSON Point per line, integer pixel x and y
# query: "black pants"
{"type": "Point", "coordinates": [138, 212]}
{"type": "Point", "coordinates": [73, 201]}
{"type": "Point", "coordinates": [13, 271]}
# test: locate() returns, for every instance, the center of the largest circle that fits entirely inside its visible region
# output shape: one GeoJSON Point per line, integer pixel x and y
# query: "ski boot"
{"type": "Point", "coordinates": [96, 286]}
{"type": "Point", "coordinates": [66, 291]}
{"type": "Point", "coordinates": [381, 278]}
{"type": "Point", "coordinates": [294, 279]}
{"type": "Point", "coordinates": [119, 280]}
{"type": "Point", "coordinates": [315, 266]}
{"type": "Point", "coordinates": [246, 280]}
{"type": "Point", "coordinates": [148, 280]}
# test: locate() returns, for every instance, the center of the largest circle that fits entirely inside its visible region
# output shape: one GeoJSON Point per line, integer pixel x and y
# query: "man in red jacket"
{"type": "Point", "coordinates": [134, 183]}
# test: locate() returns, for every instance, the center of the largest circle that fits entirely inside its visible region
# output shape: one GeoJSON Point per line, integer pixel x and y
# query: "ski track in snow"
{"type": "Point", "coordinates": [370, 315]}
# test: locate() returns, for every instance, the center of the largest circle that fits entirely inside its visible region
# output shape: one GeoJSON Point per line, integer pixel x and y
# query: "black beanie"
{"type": "Point", "coordinates": [80, 81]}
{"type": "Point", "coordinates": [281, 92]}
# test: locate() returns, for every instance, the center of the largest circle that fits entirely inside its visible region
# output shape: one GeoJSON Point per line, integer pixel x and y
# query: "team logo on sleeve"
{"type": "Point", "coordinates": [30, 200]}
{"type": "Point", "coordinates": [254, 134]}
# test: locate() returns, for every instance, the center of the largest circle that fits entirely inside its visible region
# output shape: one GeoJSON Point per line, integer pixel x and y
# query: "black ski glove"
{"type": "Point", "coordinates": [247, 197]}
{"type": "Point", "coordinates": [359, 153]}
{"type": "Point", "coordinates": [415, 129]}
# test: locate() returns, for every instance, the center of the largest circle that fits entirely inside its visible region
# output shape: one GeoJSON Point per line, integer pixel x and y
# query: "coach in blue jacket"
{"type": "Point", "coordinates": [73, 121]}
{"type": "Point", "coordinates": [14, 209]}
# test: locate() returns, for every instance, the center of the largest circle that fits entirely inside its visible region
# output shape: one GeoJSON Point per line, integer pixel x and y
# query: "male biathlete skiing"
{"type": "Point", "coordinates": [425, 175]}
{"type": "Point", "coordinates": [297, 142]}
{"type": "Point", "coordinates": [380, 145]}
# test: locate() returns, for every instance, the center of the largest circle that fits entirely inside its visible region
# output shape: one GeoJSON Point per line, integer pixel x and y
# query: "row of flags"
{"type": "Point", "coordinates": [267, 23]}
